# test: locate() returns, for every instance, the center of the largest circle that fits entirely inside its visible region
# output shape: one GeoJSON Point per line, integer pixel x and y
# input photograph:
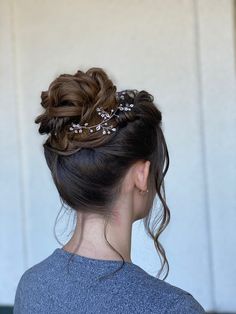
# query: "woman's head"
{"type": "Point", "coordinates": [90, 168]}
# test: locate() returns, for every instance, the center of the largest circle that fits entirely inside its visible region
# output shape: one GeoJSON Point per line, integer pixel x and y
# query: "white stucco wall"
{"type": "Point", "coordinates": [182, 51]}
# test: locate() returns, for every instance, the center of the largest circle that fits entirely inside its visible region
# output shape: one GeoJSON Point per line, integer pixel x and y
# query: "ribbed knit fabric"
{"type": "Point", "coordinates": [48, 287]}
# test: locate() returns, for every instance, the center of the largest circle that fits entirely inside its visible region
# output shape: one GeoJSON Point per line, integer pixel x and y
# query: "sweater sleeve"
{"type": "Point", "coordinates": [17, 309]}
{"type": "Point", "coordinates": [186, 304]}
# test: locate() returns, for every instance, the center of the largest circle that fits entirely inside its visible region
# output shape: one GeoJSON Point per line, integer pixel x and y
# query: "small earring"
{"type": "Point", "coordinates": [142, 192]}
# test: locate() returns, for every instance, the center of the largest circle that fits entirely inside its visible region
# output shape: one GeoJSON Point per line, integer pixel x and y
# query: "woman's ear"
{"type": "Point", "coordinates": [142, 172]}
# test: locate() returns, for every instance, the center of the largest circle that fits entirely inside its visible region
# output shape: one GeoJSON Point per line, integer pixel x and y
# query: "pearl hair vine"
{"type": "Point", "coordinates": [106, 116]}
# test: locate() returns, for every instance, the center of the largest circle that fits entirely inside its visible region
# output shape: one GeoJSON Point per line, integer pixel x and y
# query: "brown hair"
{"type": "Point", "coordinates": [88, 168]}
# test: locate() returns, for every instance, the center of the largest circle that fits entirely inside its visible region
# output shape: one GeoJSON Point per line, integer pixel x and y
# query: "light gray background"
{"type": "Point", "coordinates": [181, 51]}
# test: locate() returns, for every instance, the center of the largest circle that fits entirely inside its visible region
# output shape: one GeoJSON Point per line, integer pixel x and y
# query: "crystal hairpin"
{"type": "Point", "coordinates": [106, 116]}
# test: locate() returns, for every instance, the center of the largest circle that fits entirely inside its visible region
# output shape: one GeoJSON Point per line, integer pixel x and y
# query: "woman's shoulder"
{"type": "Point", "coordinates": [172, 298]}
{"type": "Point", "coordinates": [34, 275]}
{"type": "Point", "coordinates": [187, 304]}
{"type": "Point", "coordinates": [181, 301]}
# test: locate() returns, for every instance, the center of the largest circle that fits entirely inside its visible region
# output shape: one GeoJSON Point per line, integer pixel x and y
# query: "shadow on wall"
{"type": "Point", "coordinates": [6, 309]}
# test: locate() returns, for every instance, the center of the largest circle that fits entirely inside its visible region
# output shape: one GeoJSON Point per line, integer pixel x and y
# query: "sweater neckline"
{"type": "Point", "coordinates": [83, 258]}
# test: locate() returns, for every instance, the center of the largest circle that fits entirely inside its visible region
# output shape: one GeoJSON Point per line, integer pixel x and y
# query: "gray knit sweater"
{"type": "Point", "coordinates": [54, 286]}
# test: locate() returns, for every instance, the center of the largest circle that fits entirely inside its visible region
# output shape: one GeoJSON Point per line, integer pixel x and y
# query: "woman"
{"type": "Point", "coordinates": [108, 158]}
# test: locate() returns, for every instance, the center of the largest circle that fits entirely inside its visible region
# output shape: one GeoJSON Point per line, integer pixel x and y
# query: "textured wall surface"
{"type": "Point", "coordinates": [182, 52]}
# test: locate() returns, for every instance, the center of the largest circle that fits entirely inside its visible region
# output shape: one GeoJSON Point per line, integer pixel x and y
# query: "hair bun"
{"type": "Point", "coordinates": [70, 96]}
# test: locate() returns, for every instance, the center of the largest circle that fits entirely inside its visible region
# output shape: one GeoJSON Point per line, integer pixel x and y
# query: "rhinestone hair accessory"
{"type": "Point", "coordinates": [104, 126]}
